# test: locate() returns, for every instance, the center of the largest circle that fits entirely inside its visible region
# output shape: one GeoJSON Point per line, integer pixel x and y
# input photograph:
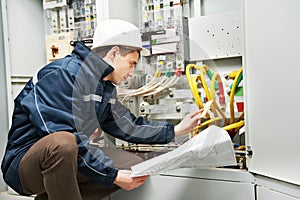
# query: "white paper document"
{"type": "Point", "coordinates": [212, 147]}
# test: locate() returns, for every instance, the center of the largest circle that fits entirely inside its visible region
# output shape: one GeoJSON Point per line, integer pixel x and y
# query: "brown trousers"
{"type": "Point", "coordinates": [50, 166]}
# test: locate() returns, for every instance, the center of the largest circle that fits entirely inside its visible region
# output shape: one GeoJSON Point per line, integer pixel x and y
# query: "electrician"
{"type": "Point", "coordinates": [48, 151]}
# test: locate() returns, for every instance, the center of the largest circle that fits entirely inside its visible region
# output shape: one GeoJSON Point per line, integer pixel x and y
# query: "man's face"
{"type": "Point", "coordinates": [124, 66]}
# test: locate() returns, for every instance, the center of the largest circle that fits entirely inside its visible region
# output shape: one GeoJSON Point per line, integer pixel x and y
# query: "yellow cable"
{"type": "Point", "coordinates": [194, 89]}
{"type": "Point", "coordinates": [206, 123]}
{"type": "Point", "coordinates": [212, 86]}
{"type": "Point", "coordinates": [232, 74]}
{"type": "Point", "coordinates": [195, 83]}
{"type": "Point", "coordinates": [204, 85]}
{"type": "Point", "coordinates": [231, 97]}
{"type": "Point", "coordinates": [205, 67]}
{"type": "Point", "coordinates": [212, 93]}
{"type": "Point", "coordinates": [234, 125]}
{"type": "Point", "coordinates": [240, 117]}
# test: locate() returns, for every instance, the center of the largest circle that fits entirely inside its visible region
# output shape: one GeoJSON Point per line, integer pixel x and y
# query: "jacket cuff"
{"type": "Point", "coordinates": [111, 176]}
{"type": "Point", "coordinates": [170, 134]}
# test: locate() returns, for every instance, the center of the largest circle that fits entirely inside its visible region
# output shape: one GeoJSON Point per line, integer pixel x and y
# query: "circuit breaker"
{"type": "Point", "coordinates": [68, 21]}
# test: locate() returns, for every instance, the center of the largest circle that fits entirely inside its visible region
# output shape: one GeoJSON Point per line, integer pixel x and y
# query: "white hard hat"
{"type": "Point", "coordinates": [118, 32]}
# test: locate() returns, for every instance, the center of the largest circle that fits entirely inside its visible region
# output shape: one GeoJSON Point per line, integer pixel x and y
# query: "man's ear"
{"type": "Point", "coordinates": [113, 52]}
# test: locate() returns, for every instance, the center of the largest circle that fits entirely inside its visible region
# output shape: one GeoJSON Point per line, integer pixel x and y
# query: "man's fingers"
{"type": "Point", "coordinates": [140, 178]}
{"type": "Point", "coordinates": [196, 113]}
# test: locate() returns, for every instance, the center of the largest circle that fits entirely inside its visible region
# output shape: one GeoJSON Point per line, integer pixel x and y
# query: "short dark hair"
{"type": "Point", "coordinates": [124, 50]}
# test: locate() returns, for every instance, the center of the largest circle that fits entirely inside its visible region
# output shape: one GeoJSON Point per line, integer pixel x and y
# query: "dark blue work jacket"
{"type": "Point", "coordinates": [70, 95]}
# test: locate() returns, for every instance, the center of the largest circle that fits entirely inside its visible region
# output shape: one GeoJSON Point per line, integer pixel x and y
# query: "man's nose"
{"type": "Point", "coordinates": [130, 74]}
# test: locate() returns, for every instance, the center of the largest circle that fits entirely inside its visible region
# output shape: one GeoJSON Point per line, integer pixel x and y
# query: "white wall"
{"type": "Point", "coordinates": [26, 36]}
{"type": "Point", "coordinates": [3, 99]}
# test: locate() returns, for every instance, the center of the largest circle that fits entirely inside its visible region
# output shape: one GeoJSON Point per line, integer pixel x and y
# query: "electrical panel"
{"type": "Point", "coordinates": [168, 85]}
{"type": "Point", "coordinates": [68, 21]}
{"type": "Point", "coordinates": [161, 25]}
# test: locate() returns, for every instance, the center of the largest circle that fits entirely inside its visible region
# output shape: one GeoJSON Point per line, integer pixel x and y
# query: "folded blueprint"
{"type": "Point", "coordinates": [212, 147]}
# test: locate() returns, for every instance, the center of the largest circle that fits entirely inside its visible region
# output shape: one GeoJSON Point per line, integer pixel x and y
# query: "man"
{"type": "Point", "coordinates": [48, 149]}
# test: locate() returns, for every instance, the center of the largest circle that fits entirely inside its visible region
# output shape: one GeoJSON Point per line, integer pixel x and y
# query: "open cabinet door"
{"type": "Point", "coordinates": [271, 71]}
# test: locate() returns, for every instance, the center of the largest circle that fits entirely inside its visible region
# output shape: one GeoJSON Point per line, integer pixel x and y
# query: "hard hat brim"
{"type": "Point", "coordinates": [143, 51]}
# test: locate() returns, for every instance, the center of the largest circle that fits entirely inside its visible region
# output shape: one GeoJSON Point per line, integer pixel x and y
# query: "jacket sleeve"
{"type": "Point", "coordinates": [122, 124]}
{"type": "Point", "coordinates": [53, 105]}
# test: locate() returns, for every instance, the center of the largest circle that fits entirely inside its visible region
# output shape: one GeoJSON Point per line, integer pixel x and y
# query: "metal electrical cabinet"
{"type": "Point", "coordinates": [192, 184]}
{"type": "Point", "coordinates": [271, 63]}
{"type": "Point", "coordinates": [271, 69]}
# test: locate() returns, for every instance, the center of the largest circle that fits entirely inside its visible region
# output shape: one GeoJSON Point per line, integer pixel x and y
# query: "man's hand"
{"type": "Point", "coordinates": [188, 123]}
{"type": "Point", "coordinates": [124, 180]}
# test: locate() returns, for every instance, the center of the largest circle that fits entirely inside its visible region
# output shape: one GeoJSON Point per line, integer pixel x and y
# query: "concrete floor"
{"type": "Point", "coordinates": [6, 196]}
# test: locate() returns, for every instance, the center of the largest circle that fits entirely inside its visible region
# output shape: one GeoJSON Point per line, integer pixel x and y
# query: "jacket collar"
{"type": "Point", "coordinates": [96, 64]}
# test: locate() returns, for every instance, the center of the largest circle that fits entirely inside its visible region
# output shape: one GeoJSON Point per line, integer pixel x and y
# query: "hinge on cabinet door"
{"type": "Point", "coordinates": [249, 151]}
